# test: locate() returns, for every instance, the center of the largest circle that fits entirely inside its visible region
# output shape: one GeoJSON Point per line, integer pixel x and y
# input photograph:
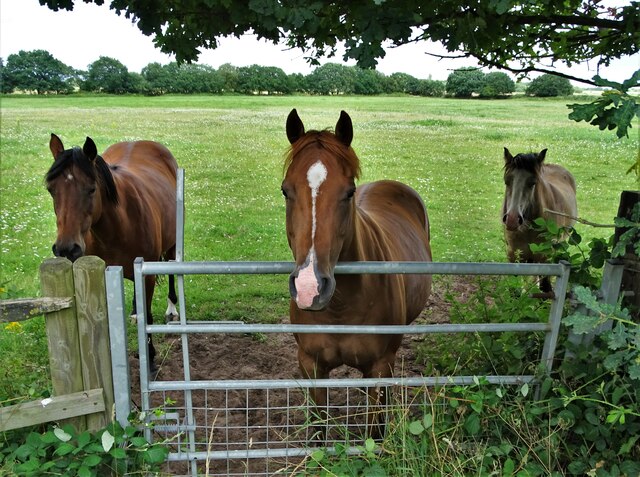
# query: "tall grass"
{"type": "Point", "coordinates": [232, 151]}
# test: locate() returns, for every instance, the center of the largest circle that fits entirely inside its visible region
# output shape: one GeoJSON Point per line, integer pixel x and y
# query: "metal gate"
{"type": "Point", "coordinates": [252, 437]}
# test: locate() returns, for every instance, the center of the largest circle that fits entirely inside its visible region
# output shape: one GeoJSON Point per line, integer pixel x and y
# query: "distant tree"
{"type": "Point", "coordinates": [257, 79]}
{"type": "Point", "coordinates": [549, 85]}
{"type": "Point", "coordinates": [108, 75]}
{"type": "Point", "coordinates": [400, 83]}
{"type": "Point", "coordinates": [520, 37]}
{"type": "Point", "coordinates": [137, 83]}
{"type": "Point", "coordinates": [38, 71]}
{"type": "Point", "coordinates": [429, 87]}
{"type": "Point", "coordinates": [298, 83]}
{"type": "Point", "coordinates": [5, 87]}
{"type": "Point", "coordinates": [331, 78]}
{"type": "Point", "coordinates": [463, 82]}
{"type": "Point", "coordinates": [497, 84]}
{"type": "Point", "coordinates": [193, 79]}
{"type": "Point", "coordinates": [159, 79]}
{"type": "Point", "coordinates": [229, 75]}
{"type": "Point", "coordinates": [368, 82]}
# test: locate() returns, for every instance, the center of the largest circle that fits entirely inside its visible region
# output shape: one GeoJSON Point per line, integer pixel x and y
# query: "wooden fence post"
{"type": "Point", "coordinates": [93, 328]}
{"type": "Point", "coordinates": [631, 276]}
{"type": "Point", "coordinates": [56, 280]}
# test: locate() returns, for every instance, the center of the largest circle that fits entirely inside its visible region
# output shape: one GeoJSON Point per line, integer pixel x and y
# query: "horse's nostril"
{"type": "Point", "coordinates": [504, 218]}
{"type": "Point", "coordinates": [520, 220]}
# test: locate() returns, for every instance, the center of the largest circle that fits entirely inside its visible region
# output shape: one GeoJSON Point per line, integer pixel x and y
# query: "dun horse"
{"type": "Point", "coordinates": [330, 220]}
{"type": "Point", "coordinates": [532, 189]}
{"type": "Point", "coordinates": [118, 206]}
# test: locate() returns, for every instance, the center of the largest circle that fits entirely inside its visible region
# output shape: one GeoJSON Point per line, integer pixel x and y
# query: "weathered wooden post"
{"type": "Point", "coordinates": [56, 280]}
{"type": "Point", "coordinates": [631, 275]}
{"type": "Point", "coordinates": [93, 328]}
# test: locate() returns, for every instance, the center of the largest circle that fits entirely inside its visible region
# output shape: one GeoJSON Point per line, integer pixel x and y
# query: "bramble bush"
{"type": "Point", "coordinates": [62, 451]}
{"type": "Point", "coordinates": [584, 418]}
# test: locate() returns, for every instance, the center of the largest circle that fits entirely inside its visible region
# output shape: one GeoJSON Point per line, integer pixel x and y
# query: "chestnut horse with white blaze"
{"type": "Point", "coordinates": [117, 206]}
{"type": "Point", "coordinates": [533, 188]}
{"type": "Point", "coordinates": [330, 220]}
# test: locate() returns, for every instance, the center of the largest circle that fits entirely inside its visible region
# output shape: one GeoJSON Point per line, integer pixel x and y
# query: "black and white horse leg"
{"type": "Point", "coordinates": [172, 299]}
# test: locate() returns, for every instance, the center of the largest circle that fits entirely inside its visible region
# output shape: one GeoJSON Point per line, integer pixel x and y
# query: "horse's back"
{"type": "Point", "coordinates": [145, 173]}
{"type": "Point", "coordinates": [399, 217]}
{"type": "Point", "coordinates": [400, 213]}
{"type": "Point", "coordinates": [143, 157]}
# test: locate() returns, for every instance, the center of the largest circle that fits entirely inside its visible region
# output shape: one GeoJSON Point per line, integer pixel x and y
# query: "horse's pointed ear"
{"type": "Point", "coordinates": [55, 145]}
{"type": "Point", "coordinates": [541, 155]}
{"type": "Point", "coordinates": [90, 150]}
{"type": "Point", "coordinates": [507, 156]}
{"type": "Point", "coordinates": [344, 129]}
{"type": "Point", "coordinates": [295, 128]}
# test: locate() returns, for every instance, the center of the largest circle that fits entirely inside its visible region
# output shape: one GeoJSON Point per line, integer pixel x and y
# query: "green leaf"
{"type": "Point", "coordinates": [618, 337]}
{"type": "Point", "coordinates": [64, 449]}
{"type": "Point", "coordinates": [118, 453]}
{"type": "Point", "coordinates": [472, 424]}
{"type": "Point", "coordinates": [369, 445]}
{"type": "Point", "coordinates": [92, 460]}
{"type": "Point", "coordinates": [156, 454]}
{"type": "Point", "coordinates": [427, 420]}
{"type": "Point", "coordinates": [581, 323]}
{"type": "Point", "coordinates": [84, 439]}
{"type": "Point", "coordinates": [524, 390]}
{"type": "Point", "coordinates": [416, 428]}
{"type": "Point", "coordinates": [84, 472]}
{"type": "Point", "coordinates": [508, 468]}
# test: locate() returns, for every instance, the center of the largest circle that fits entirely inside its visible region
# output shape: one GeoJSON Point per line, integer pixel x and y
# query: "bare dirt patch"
{"type": "Point", "coordinates": [230, 420]}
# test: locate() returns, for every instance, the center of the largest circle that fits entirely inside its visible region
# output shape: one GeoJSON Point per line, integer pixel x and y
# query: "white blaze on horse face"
{"type": "Point", "coordinates": [316, 175]}
{"type": "Point", "coordinates": [306, 282]}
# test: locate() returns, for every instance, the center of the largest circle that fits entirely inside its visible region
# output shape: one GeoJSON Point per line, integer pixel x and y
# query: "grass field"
{"type": "Point", "coordinates": [232, 149]}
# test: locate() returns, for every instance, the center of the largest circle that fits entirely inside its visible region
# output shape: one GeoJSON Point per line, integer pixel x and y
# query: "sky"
{"type": "Point", "coordinates": [80, 37]}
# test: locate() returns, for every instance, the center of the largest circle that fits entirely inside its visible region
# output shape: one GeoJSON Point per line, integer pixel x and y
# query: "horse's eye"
{"type": "Point", "coordinates": [350, 193]}
{"type": "Point", "coordinates": [50, 190]}
{"type": "Point", "coordinates": [91, 191]}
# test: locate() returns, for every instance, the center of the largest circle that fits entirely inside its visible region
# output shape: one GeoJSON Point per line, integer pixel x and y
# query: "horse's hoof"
{"type": "Point", "coordinates": [171, 317]}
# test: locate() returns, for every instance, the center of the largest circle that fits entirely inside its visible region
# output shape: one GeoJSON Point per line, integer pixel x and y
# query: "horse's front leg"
{"type": "Point", "coordinates": [172, 298]}
{"type": "Point", "coordinates": [378, 395]}
{"type": "Point", "coordinates": [149, 285]}
{"type": "Point", "coordinates": [311, 369]}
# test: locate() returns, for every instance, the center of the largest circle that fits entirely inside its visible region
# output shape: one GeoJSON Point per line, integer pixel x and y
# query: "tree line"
{"type": "Point", "coordinates": [40, 72]}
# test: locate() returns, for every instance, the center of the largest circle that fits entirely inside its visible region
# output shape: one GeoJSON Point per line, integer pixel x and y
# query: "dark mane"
{"type": "Point", "coordinates": [528, 162]}
{"type": "Point", "coordinates": [328, 141]}
{"type": "Point", "coordinates": [97, 170]}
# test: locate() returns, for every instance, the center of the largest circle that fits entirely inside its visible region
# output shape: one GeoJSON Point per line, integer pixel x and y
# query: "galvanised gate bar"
{"type": "Point", "coordinates": [228, 427]}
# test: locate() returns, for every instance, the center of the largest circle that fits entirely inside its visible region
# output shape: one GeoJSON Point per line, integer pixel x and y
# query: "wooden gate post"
{"type": "Point", "coordinates": [631, 275]}
{"type": "Point", "coordinates": [93, 328]}
{"type": "Point", "coordinates": [56, 280]}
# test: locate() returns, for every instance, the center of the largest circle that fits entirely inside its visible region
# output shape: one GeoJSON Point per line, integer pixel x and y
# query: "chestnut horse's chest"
{"type": "Point", "coordinates": [383, 307]}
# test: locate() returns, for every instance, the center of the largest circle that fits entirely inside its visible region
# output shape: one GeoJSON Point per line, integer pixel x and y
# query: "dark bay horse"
{"type": "Point", "coordinates": [532, 187]}
{"type": "Point", "coordinates": [330, 220]}
{"type": "Point", "coordinates": [118, 206]}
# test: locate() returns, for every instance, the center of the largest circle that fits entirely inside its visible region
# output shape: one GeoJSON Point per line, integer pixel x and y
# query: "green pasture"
{"type": "Point", "coordinates": [232, 150]}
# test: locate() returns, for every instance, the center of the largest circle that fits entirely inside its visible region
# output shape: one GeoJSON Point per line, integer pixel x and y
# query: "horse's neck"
{"type": "Point", "coordinates": [366, 240]}
{"type": "Point", "coordinates": [107, 228]}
